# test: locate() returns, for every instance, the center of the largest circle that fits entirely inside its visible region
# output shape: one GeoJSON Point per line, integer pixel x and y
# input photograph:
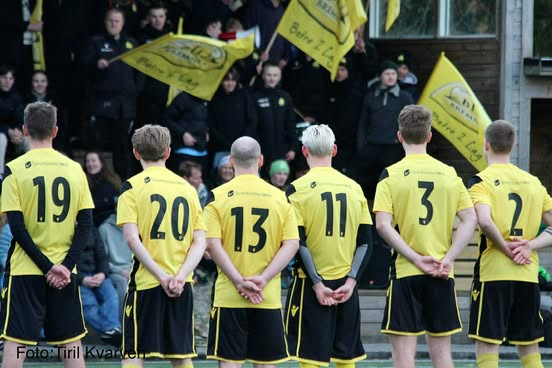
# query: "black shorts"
{"type": "Point", "coordinates": [254, 334]}
{"type": "Point", "coordinates": [157, 326]}
{"type": "Point", "coordinates": [29, 303]}
{"type": "Point", "coordinates": [318, 334]}
{"type": "Point", "coordinates": [503, 310]}
{"type": "Point", "coordinates": [421, 304]}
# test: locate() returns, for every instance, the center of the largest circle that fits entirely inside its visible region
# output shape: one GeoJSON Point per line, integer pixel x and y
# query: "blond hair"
{"type": "Point", "coordinates": [319, 140]}
{"type": "Point", "coordinates": [151, 142]}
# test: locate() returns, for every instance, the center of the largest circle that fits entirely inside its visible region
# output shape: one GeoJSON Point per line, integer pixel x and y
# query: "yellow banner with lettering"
{"type": "Point", "coordinates": [323, 29]}
{"type": "Point", "coordinates": [194, 64]}
{"type": "Point", "coordinates": [39, 62]}
{"type": "Point", "coordinates": [457, 113]}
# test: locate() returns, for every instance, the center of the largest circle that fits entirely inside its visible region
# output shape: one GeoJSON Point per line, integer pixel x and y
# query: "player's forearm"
{"type": "Point", "coordinates": [223, 261]}
{"type": "Point", "coordinates": [23, 238]}
{"type": "Point", "coordinates": [194, 255]}
{"type": "Point", "coordinates": [464, 232]}
{"type": "Point", "coordinates": [363, 251]}
{"type": "Point", "coordinates": [394, 239]}
{"type": "Point", "coordinates": [141, 253]}
{"type": "Point", "coordinates": [543, 240]}
{"type": "Point", "coordinates": [282, 258]}
{"type": "Point", "coordinates": [82, 236]}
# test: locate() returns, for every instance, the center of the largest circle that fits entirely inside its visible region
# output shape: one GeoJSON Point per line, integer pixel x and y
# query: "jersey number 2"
{"type": "Point", "coordinates": [517, 211]}
{"type": "Point", "coordinates": [61, 198]}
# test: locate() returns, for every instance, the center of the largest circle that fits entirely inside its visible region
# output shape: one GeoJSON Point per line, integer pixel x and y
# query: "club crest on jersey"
{"type": "Point", "coordinates": [128, 45]}
{"type": "Point", "coordinates": [406, 172]}
{"type": "Point", "coordinates": [313, 184]}
{"type": "Point", "coordinates": [147, 179]}
{"type": "Point", "coordinates": [27, 164]}
{"type": "Point", "coordinates": [230, 193]}
{"type": "Point", "coordinates": [497, 183]}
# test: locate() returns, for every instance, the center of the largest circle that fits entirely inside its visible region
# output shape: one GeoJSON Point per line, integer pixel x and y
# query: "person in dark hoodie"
{"type": "Point", "coordinates": [114, 85]}
{"type": "Point", "coordinates": [11, 114]}
{"type": "Point", "coordinates": [187, 119]}
{"type": "Point", "coordinates": [276, 129]}
{"type": "Point", "coordinates": [152, 100]}
{"type": "Point", "coordinates": [407, 80]}
{"type": "Point", "coordinates": [342, 112]}
{"type": "Point", "coordinates": [377, 143]}
{"type": "Point", "coordinates": [232, 115]}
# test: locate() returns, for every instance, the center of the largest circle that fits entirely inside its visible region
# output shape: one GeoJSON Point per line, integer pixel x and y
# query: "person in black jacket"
{"type": "Point", "coordinates": [11, 116]}
{"type": "Point", "coordinates": [187, 119]}
{"type": "Point", "coordinates": [342, 112]}
{"type": "Point", "coordinates": [232, 115]}
{"type": "Point", "coordinates": [377, 142]}
{"type": "Point", "coordinates": [114, 85]}
{"type": "Point", "coordinates": [100, 304]}
{"type": "Point", "coordinates": [277, 123]}
{"type": "Point", "coordinates": [152, 100]}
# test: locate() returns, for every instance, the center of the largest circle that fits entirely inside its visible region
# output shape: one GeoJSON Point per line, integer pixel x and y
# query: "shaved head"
{"type": "Point", "coordinates": [245, 152]}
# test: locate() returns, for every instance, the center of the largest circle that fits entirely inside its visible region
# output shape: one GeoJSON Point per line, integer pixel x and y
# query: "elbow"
{"type": "Point", "coordinates": [380, 227]}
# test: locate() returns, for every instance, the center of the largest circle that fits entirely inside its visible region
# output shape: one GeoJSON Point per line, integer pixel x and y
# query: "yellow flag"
{"type": "Point", "coordinates": [173, 91]}
{"type": "Point", "coordinates": [39, 62]}
{"type": "Point", "coordinates": [194, 64]}
{"type": "Point", "coordinates": [323, 29]}
{"type": "Point", "coordinates": [393, 11]}
{"type": "Point", "coordinates": [457, 113]}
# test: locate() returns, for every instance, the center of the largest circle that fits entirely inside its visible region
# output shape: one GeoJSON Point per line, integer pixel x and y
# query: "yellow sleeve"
{"type": "Point", "coordinates": [126, 208]}
{"type": "Point", "coordinates": [479, 194]}
{"type": "Point", "coordinates": [295, 203]}
{"type": "Point", "coordinates": [85, 200]}
{"type": "Point", "coordinates": [10, 194]}
{"type": "Point", "coordinates": [289, 228]}
{"type": "Point", "coordinates": [383, 201]}
{"type": "Point", "coordinates": [212, 221]}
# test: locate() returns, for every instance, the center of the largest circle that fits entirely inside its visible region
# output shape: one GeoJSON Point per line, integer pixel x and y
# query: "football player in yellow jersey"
{"type": "Point", "coordinates": [510, 205]}
{"type": "Point", "coordinates": [322, 310]}
{"type": "Point", "coordinates": [44, 194]}
{"type": "Point", "coordinates": [252, 236]}
{"type": "Point", "coordinates": [422, 196]}
{"type": "Point", "coordinates": [164, 227]}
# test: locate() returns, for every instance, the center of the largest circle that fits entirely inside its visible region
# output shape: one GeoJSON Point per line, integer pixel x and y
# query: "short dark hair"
{"type": "Point", "coordinates": [501, 136]}
{"type": "Point", "coordinates": [40, 119]}
{"type": "Point", "coordinates": [5, 69]}
{"type": "Point", "coordinates": [415, 123]}
{"type": "Point", "coordinates": [186, 167]}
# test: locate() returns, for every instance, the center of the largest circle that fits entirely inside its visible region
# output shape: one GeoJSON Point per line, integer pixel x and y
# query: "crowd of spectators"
{"type": "Point", "coordinates": [101, 102]}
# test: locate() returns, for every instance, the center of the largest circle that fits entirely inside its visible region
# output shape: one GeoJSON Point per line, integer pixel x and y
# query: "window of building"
{"type": "Point", "coordinates": [542, 19]}
{"type": "Point", "coordinates": [436, 19]}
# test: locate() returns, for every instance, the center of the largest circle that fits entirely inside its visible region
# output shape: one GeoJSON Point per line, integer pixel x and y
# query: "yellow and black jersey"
{"type": "Point", "coordinates": [252, 218]}
{"type": "Point", "coordinates": [166, 210]}
{"type": "Point", "coordinates": [49, 189]}
{"type": "Point", "coordinates": [517, 200]}
{"type": "Point", "coordinates": [330, 207]}
{"type": "Point", "coordinates": [423, 195]}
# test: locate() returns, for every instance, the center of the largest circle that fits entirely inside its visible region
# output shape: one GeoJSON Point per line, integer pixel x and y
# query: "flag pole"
{"type": "Point", "coordinates": [268, 47]}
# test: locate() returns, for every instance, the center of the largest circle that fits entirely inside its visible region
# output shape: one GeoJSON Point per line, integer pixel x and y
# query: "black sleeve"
{"type": "Point", "coordinates": [100, 256]}
{"type": "Point", "coordinates": [82, 235]}
{"type": "Point", "coordinates": [89, 57]}
{"type": "Point", "coordinates": [291, 129]}
{"type": "Point", "coordinates": [23, 238]}
{"type": "Point", "coordinates": [173, 114]}
{"type": "Point", "coordinates": [363, 251]}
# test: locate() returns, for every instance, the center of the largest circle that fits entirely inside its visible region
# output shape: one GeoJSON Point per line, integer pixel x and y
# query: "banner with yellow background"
{"type": "Point", "coordinates": [194, 64]}
{"type": "Point", "coordinates": [323, 29]}
{"type": "Point", "coordinates": [39, 62]}
{"type": "Point", "coordinates": [457, 113]}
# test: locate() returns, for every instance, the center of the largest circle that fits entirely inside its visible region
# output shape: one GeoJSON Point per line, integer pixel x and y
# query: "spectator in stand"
{"type": "Point", "coordinates": [279, 174]}
{"type": "Point", "coordinates": [16, 37]}
{"type": "Point", "coordinates": [407, 80]}
{"type": "Point", "coordinates": [104, 185]}
{"type": "Point", "coordinates": [191, 172]}
{"type": "Point", "coordinates": [187, 119]}
{"type": "Point", "coordinates": [266, 14]}
{"type": "Point", "coordinates": [100, 304]}
{"type": "Point", "coordinates": [113, 104]}
{"type": "Point", "coordinates": [377, 143]}
{"type": "Point", "coordinates": [276, 129]}
{"type": "Point", "coordinates": [342, 113]}
{"type": "Point", "coordinates": [11, 116]}
{"type": "Point", "coordinates": [364, 61]}
{"type": "Point", "coordinates": [307, 83]}
{"type": "Point", "coordinates": [152, 100]}
{"type": "Point", "coordinates": [40, 92]}
{"type": "Point", "coordinates": [232, 115]}
{"type": "Point", "coordinates": [206, 12]}
{"type": "Point", "coordinates": [225, 171]}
